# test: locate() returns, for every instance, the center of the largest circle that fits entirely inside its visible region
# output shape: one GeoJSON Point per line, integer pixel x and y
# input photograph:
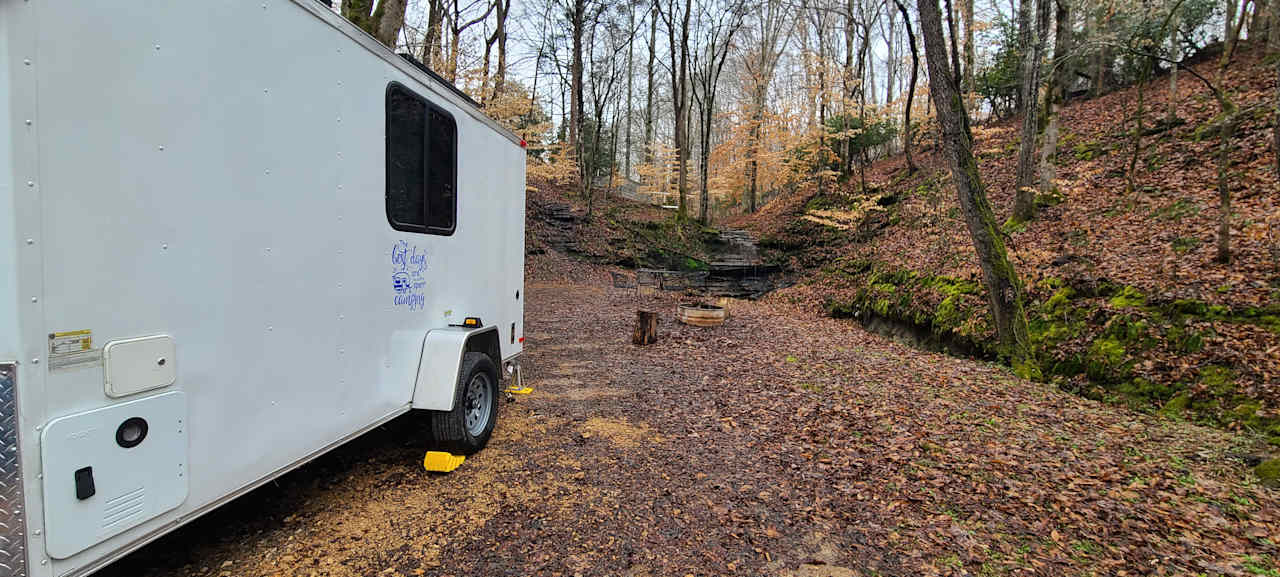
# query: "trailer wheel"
{"type": "Point", "coordinates": [466, 429]}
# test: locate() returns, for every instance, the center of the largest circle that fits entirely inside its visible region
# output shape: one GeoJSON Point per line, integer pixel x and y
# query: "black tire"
{"type": "Point", "coordinates": [451, 428]}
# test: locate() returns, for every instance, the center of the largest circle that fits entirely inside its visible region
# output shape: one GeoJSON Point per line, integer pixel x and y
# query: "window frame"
{"type": "Point", "coordinates": [428, 155]}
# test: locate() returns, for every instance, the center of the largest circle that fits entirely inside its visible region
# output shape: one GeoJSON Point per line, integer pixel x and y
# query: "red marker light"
{"type": "Point", "coordinates": [521, 340]}
{"type": "Point", "coordinates": [523, 144]}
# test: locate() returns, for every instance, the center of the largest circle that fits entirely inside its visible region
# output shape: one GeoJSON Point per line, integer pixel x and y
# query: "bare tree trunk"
{"type": "Point", "coordinates": [1049, 149]}
{"type": "Point", "coordinates": [1004, 291]}
{"type": "Point", "coordinates": [503, 8]}
{"type": "Point", "coordinates": [613, 166]}
{"type": "Point", "coordinates": [760, 66]}
{"type": "Point", "coordinates": [718, 46]}
{"type": "Point", "coordinates": [871, 90]}
{"type": "Point", "coordinates": [1024, 202]}
{"type": "Point", "coordinates": [1224, 189]}
{"type": "Point", "coordinates": [1172, 114]}
{"type": "Point", "coordinates": [1138, 117]}
{"type": "Point", "coordinates": [1260, 28]}
{"type": "Point", "coordinates": [499, 37]}
{"type": "Point", "coordinates": [359, 12]}
{"type": "Point", "coordinates": [970, 57]}
{"type": "Point", "coordinates": [631, 21]}
{"type": "Point", "coordinates": [862, 96]}
{"type": "Point", "coordinates": [679, 51]}
{"type": "Point", "coordinates": [753, 151]}
{"type": "Point", "coordinates": [847, 80]}
{"type": "Point", "coordinates": [952, 32]}
{"type": "Point", "coordinates": [1101, 59]}
{"type": "Point", "coordinates": [1229, 123]}
{"type": "Point", "coordinates": [911, 88]}
{"type": "Point", "coordinates": [891, 62]}
{"type": "Point", "coordinates": [1055, 95]}
{"type": "Point", "coordinates": [1273, 48]}
{"type": "Point", "coordinates": [808, 68]}
{"type": "Point", "coordinates": [648, 110]}
{"type": "Point", "coordinates": [484, 68]}
{"type": "Point", "coordinates": [704, 163]}
{"type": "Point", "coordinates": [682, 115]}
{"type": "Point", "coordinates": [390, 18]}
{"type": "Point", "coordinates": [1025, 37]}
{"type": "Point", "coordinates": [455, 43]}
{"type": "Point", "coordinates": [577, 19]}
{"type": "Point", "coordinates": [1229, 23]}
{"type": "Point", "coordinates": [1063, 44]}
{"type": "Point", "coordinates": [431, 45]}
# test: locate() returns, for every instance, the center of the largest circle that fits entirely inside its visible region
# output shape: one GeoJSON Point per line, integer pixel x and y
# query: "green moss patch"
{"type": "Point", "coordinates": [1089, 339]}
{"type": "Point", "coordinates": [1269, 472]}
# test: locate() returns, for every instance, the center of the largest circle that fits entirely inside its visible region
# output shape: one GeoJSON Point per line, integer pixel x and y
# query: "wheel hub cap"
{"type": "Point", "coordinates": [478, 405]}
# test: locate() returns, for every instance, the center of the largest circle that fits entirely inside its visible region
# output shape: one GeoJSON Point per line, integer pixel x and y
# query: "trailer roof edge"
{"type": "Point", "coordinates": [434, 82]}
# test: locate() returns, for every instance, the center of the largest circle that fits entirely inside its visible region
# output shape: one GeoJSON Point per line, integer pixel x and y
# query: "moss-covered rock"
{"type": "Point", "coordinates": [1217, 380]}
{"type": "Point", "coordinates": [1106, 356]}
{"type": "Point", "coordinates": [1128, 297]}
{"type": "Point", "coordinates": [1269, 472]}
{"type": "Point", "coordinates": [1089, 339]}
{"type": "Point", "coordinates": [1177, 405]}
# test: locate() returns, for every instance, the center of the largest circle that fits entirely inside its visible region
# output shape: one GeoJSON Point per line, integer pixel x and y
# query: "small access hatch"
{"type": "Point", "coordinates": [110, 469]}
{"type": "Point", "coordinates": [140, 364]}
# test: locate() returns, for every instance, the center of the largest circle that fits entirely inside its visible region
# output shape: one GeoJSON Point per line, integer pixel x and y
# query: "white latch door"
{"type": "Point", "coordinates": [110, 469]}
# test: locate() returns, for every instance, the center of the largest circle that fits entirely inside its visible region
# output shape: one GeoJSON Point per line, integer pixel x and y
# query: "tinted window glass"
{"type": "Point", "coordinates": [442, 151]}
{"type": "Point", "coordinates": [422, 163]}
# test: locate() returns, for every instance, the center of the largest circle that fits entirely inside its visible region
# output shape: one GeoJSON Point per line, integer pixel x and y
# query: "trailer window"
{"type": "Point", "coordinates": [422, 160]}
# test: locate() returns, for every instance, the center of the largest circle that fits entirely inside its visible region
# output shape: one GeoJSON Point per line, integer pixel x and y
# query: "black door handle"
{"type": "Point", "coordinates": [84, 483]}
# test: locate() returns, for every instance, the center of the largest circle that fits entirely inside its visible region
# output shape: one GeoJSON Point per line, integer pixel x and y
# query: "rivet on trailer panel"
{"type": "Point", "coordinates": [31, 241]}
{"type": "Point", "coordinates": [28, 121]}
{"type": "Point", "coordinates": [26, 61]}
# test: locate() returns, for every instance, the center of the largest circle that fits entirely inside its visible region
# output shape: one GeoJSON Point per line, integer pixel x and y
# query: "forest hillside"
{"type": "Point", "coordinates": [1126, 302]}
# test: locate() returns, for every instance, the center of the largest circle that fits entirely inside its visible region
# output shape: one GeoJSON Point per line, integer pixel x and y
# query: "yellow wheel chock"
{"type": "Point", "coordinates": [519, 390]}
{"type": "Point", "coordinates": [441, 462]}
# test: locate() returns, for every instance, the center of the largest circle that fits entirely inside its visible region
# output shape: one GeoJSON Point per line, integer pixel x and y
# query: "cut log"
{"type": "Point", "coordinates": [646, 332]}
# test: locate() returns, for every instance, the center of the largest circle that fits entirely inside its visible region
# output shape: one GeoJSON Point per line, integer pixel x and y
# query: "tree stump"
{"type": "Point", "coordinates": [646, 332]}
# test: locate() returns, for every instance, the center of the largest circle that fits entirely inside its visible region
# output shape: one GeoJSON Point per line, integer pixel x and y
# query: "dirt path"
{"type": "Point", "coordinates": [773, 445]}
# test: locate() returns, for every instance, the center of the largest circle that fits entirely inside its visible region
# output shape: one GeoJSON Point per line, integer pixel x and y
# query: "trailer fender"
{"type": "Point", "coordinates": [442, 352]}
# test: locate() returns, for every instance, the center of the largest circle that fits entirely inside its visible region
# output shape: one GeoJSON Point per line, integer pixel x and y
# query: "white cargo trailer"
{"type": "Point", "coordinates": [233, 235]}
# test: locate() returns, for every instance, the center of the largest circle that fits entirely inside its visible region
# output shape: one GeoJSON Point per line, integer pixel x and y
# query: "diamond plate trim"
{"type": "Point", "coordinates": [13, 524]}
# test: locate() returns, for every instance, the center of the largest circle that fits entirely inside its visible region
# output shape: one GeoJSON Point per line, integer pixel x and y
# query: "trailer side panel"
{"type": "Point", "coordinates": [214, 173]}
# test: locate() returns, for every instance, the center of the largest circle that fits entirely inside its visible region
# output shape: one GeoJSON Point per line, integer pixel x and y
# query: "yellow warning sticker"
{"type": "Point", "coordinates": [72, 348]}
{"type": "Point", "coordinates": [70, 342]}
